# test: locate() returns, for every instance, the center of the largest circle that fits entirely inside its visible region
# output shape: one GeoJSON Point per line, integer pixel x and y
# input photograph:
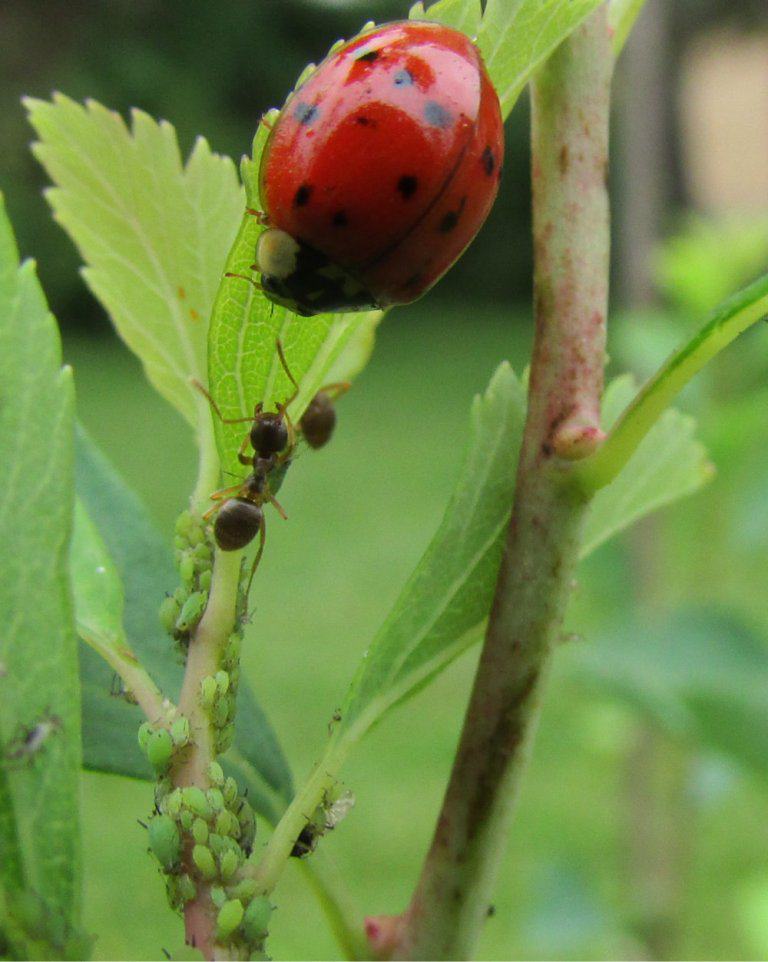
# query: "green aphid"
{"type": "Point", "coordinates": [256, 919]}
{"type": "Point", "coordinates": [205, 862]}
{"type": "Point", "coordinates": [202, 553]}
{"type": "Point", "coordinates": [244, 890]}
{"type": "Point", "coordinates": [169, 612]}
{"type": "Point", "coordinates": [229, 790]}
{"type": "Point", "coordinates": [186, 819]}
{"type": "Point", "coordinates": [187, 568]}
{"type": "Point", "coordinates": [184, 523]}
{"type": "Point", "coordinates": [218, 896]}
{"type": "Point", "coordinates": [192, 611]}
{"type": "Point", "coordinates": [145, 731]}
{"type": "Point", "coordinates": [180, 731]}
{"type": "Point", "coordinates": [160, 749]}
{"type": "Point", "coordinates": [222, 682]}
{"type": "Point", "coordinates": [216, 843]}
{"type": "Point", "coordinates": [195, 800]}
{"type": "Point", "coordinates": [205, 579]}
{"type": "Point", "coordinates": [227, 824]}
{"type": "Point", "coordinates": [196, 534]}
{"type": "Point", "coordinates": [180, 543]}
{"type": "Point", "coordinates": [200, 831]}
{"type": "Point", "coordinates": [222, 710]}
{"type": "Point", "coordinates": [165, 842]}
{"type": "Point", "coordinates": [208, 692]}
{"type": "Point", "coordinates": [229, 918]}
{"type": "Point", "coordinates": [215, 799]}
{"type": "Point", "coordinates": [247, 821]}
{"type": "Point", "coordinates": [173, 802]}
{"type": "Point", "coordinates": [186, 888]}
{"type": "Point", "coordinates": [228, 864]}
{"type": "Point", "coordinates": [216, 774]}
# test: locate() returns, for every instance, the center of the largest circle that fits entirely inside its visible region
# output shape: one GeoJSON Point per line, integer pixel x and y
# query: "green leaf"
{"type": "Point", "coordinates": [143, 561]}
{"type": "Point", "coordinates": [96, 587]}
{"type": "Point", "coordinates": [243, 366]}
{"type": "Point", "coordinates": [699, 674]}
{"type": "Point", "coordinates": [515, 37]}
{"type": "Point", "coordinates": [450, 591]}
{"type": "Point", "coordinates": [621, 18]}
{"type": "Point", "coordinates": [669, 464]}
{"type": "Point", "coordinates": [464, 15]}
{"type": "Point", "coordinates": [152, 231]}
{"type": "Point", "coordinates": [39, 688]}
{"type": "Point", "coordinates": [731, 318]}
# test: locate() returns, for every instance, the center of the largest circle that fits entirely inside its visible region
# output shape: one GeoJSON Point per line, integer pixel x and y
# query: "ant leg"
{"type": "Point", "coordinates": [277, 506]}
{"type": "Point", "coordinates": [291, 378]}
{"type": "Point", "coordinates": [259, 553]}
{"type": "Point", "coordinates": [242, 457]}
{"type": "Point", "coordinates": [335, 390]}
{"type": "Point", "coordinates": [260, 215]}
{"type": "Point", "coordinates": [198, 386]}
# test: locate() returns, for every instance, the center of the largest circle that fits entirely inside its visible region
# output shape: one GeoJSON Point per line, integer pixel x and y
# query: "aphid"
{"type": "Point", "coordinates": [319, 420]}
{"type": "Point", "coordinates": [326, 817]}
{"type": "Point", "coordinates": [31, 740]}
{"type": "Point", "coordinates": [379, 171]}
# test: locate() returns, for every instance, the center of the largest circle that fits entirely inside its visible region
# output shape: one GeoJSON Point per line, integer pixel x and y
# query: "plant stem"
{"type": "Point", "coordinates": [570, 101]}
{"type": "Point", "coordinates": [205, 647]}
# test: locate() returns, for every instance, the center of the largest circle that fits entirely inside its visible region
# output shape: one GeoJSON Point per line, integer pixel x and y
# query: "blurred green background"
{"type": "Point", "coordinates": [642, 829]}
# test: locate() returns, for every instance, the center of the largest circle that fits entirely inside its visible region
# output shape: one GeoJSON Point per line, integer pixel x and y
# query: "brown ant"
{"type": "Point", "coordinates": [239, 508]}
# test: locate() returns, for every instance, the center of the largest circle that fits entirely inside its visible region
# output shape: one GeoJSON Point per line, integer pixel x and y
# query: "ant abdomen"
{"type": "Point", "coordinates": [318, 421]}
{"type": "Point", "coordinates": [237, 524]}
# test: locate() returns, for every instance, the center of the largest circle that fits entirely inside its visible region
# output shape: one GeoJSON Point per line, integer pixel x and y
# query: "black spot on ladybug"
{"type": "Point", "coordinates": [437, 115]}
{"type": "Point", "coordinates": [403, 78]}
{"type": "Point", "coordinates": [488, 161]}
{"type": "Point", "coordinates": [451, 219]}
{"type": "Point", "coordinates": [365, 121]}
{"type": "Point", "coordinates": [302, 195]}
{"type": "Point", "coordinates": [305, 113]}
{"type": "Point", "coordinates": [407, 185]}
{"type": "Point", "coordinates": [368, 57]}
{"type": "Point", "coordinates": [339, 219]}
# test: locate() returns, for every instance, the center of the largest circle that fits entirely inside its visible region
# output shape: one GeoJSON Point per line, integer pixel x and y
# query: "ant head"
{"type": "Point", "coordinates": [269, 434]}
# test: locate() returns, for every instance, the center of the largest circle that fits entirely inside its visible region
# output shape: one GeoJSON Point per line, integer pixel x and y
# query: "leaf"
{"type": "Point", "coordinates": [621, 18]}
{"type": "Point", "coordinates": [700, 673]}
{"type": "Point", "coordinates": [450, 591]}
{"type": "Point", "coordinates": [669, 464]}
{"type": "Point", "coordinates": [243, 365]}
{"type": "Point", "coordinates": [96, 587]}
{"type": "Point", "coordinates": [154, 233]}
{"type": "Point", "coordinates": [737, 313]}
{"type": "Point", "coordinates": [462, 15]}
{"type": "Point", "coordinates": [516, 37]}
{"type": "Point", "coordinates": [39, 688]}
{"type": "Point", "coordinates": [144, 563]}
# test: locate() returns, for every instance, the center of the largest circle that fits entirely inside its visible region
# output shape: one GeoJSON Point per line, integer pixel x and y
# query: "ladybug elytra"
{"type": "Point", "coordinates": [379, 171]}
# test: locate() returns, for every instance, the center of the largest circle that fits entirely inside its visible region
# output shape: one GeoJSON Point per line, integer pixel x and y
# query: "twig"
{"type": "Point", "coordinates": [570, 100]}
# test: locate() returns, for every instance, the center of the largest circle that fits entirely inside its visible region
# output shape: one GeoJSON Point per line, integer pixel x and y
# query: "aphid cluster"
{"type": "Point", "coordinates": [206, 836]}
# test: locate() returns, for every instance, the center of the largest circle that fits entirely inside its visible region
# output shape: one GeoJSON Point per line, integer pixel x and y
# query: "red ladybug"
{"type": "Point", "coordinates": [379, 171]}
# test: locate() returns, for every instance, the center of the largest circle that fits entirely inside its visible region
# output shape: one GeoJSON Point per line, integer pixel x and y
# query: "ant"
{"type": "Point", "coordinates": [239, 508]}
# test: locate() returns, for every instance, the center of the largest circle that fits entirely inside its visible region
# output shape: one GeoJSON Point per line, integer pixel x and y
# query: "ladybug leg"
{"type": "Point", "coordinates": [259, 553]}
{"type": "Point", "coordinates": [261, 216]}
{"type": "Point", "coordinates": [243, 277]}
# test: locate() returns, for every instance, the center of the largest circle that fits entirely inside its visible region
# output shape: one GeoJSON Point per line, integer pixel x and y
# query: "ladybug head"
{"type": "Point", "coordinates": [298, 277]}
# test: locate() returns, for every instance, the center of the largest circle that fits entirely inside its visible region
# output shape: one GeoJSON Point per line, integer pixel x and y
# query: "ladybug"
{"type": "Point", "coordinates": [379, 171]}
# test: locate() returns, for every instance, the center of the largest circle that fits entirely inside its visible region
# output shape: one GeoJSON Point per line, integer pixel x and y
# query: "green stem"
{"type": "Point", "coordinates": [135, 678]}
{"type": "Point", "coordinates": [570, 104]}
{"type": "Point", "coordinates": [621, 18]}
{"type": "Point", "coordinates": [329, 888]}
{"type": "Point", "coordinates": [730, 319]}
{"type": "Point", "coordinates": [205, 648]}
